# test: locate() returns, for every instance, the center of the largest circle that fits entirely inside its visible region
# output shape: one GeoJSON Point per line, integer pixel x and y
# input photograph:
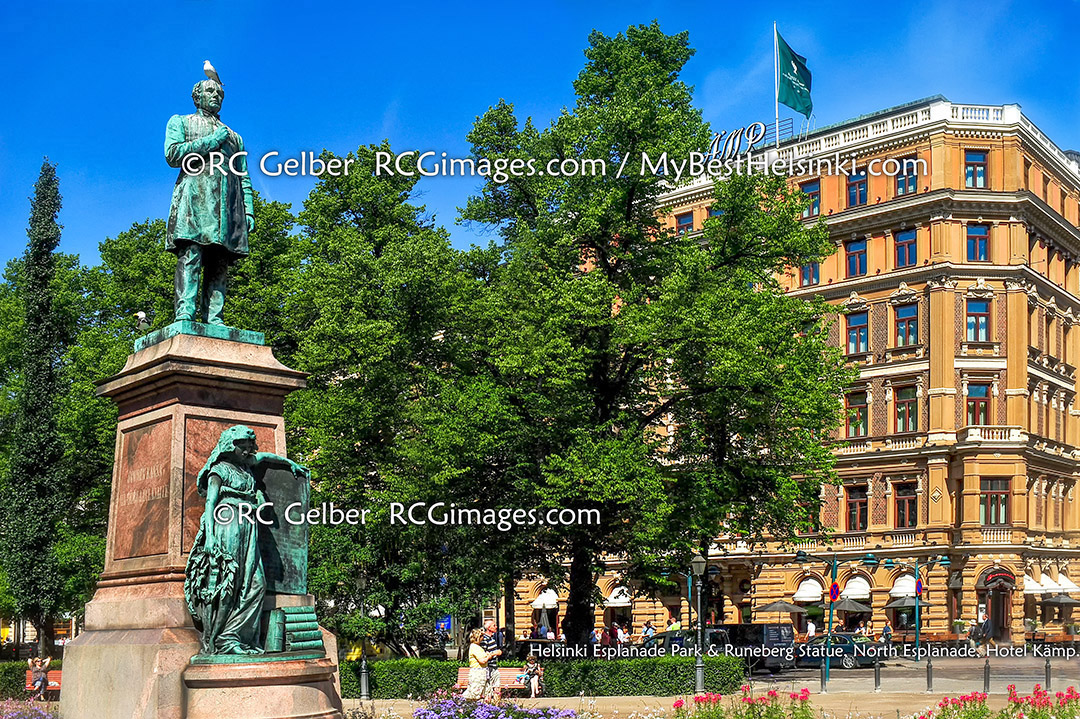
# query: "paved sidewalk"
{"type": "Point", "coordinates": [850, 692]}
{"type": "Point", "coordinates": [860, 705]}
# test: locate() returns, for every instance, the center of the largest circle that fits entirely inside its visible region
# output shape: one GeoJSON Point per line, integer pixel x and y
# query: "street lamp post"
{"type": "Point", "coordinates": [802, 557]}
{"type": "Point", "coordinates": [871, 561]}
{"type": "Point", "coordinates": [697, 566]}
{"type": "Point", "coordinates": [365, 693]}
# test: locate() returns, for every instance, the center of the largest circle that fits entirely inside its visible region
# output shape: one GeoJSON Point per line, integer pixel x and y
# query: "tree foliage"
{"type": "Point", "coordinates": [664, 378]}
{"type": "Point", "coordinates": [36, 479]}
{"type": "Point", "coordinates": [376, 288]}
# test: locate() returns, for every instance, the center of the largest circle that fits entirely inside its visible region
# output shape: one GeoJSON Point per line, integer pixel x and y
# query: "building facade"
{"type": "Point", "coordinates": [956, 279]}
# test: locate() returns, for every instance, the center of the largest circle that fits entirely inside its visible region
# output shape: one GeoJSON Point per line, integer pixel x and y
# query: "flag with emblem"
{"type": "Point", "coordinates": [792, 78]}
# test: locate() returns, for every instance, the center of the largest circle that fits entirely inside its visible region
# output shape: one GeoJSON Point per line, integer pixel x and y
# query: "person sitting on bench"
{"type": "Point", "coordinates": [39, 675]}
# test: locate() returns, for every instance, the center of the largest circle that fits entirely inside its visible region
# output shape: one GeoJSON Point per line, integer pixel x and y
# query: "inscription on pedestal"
{"type": "Point", "coordinates": [141, 520]}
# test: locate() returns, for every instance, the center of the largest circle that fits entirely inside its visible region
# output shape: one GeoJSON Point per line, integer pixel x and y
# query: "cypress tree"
{"type": "Point", "coordinates": [36, 477]}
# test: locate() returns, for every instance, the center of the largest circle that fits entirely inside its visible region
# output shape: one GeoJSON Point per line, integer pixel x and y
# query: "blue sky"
{"type": "Point", "coordinates": [92, 85]}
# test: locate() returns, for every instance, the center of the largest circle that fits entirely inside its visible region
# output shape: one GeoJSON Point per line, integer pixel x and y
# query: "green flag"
{"type": "Point", "coordinates": [793, 87]}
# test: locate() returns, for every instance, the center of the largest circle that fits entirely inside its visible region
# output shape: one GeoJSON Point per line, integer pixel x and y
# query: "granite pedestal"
{"type": "Point", "coordinates": [181, 388]}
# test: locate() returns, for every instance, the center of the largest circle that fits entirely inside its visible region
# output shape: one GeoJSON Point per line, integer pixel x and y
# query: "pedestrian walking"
{"type": "Point", "coordinates": [478, 666]}
{"type": "Point", "coordinates": [492, 644]}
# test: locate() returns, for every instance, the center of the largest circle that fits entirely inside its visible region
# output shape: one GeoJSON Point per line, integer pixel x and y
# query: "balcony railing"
{"type": "Point", "coordinates": [734, 546]}
{"type": "Point", "coordinates": [904, 539]}
{"type": "Point", "coordinates": [931, 112]}
{"type": "Point", "coordinates": [997, 535]}
{"type": "Point", "coordinates": [991, 434]}
{"type": "Point", "coordinates": [856, 447]}
{"type": "Point", "coordinates": [852, 542]}
{"type": "Point", "coordinates": [904, 442]}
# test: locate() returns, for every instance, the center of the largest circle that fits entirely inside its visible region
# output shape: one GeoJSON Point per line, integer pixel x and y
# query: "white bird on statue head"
{"type": "Point", "coordinates": [211, 72]}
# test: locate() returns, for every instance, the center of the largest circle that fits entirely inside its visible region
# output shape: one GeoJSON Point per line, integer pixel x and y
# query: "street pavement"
{"type": "Point", "coordinates": [850, 691]}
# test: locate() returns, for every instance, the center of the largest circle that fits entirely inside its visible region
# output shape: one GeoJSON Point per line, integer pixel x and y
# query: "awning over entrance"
{"type": "Point", "coordinates": [619, 597]}
{"type": "Point", "coordinates": [1031, 587]}
{"type": "Point", "coordinates": [1049, 585]}
{"type": "Point", "coordinates": [810, 590]}
{"type": "Point", "coordinates": [996, 578]}
{"type": "Point", "coordinates": [856, 588]}
{"type": "Point", "coordinates": [548, 599]}
{"type": "Point", "coordinates": [1067, 585]}
{"type": "Point", "coordinates": [904, 586]}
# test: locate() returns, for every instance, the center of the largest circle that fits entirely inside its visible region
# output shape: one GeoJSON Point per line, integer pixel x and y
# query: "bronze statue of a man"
{"type": "Point", "coordinates": [212, 210]}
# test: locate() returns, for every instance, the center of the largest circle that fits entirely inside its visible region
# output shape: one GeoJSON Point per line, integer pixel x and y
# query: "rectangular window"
{"type": "Point", "coordinates": [858, 423]}
{"type": "Point", "coordinates": [858, 335]}
{"type": "Point", "coordinates": [856, 258]}
{"type": "Point", "coordinates": [994, 504]}
{"type": "Point", "coordinates": [975, 168]}
{"type": "Point", "coordinates": [684, 223]}
{"type": "Point", "coordinates": [811, 274]}
{"type": "Point", "coordinates": [907, 325]}
{"type": "Point", "coordinates": [978, 243]}
{"type": "Point", "coordinates": [906, 254]}
{"type": "Point", "coordinates": [812, 190]}
{"type": "Point", "coordinates": [907, 183]}
{"type": "Point", "coordinates": [907, 513]}
{"type": "Point", "coordinates": [978, 320]}
{"type": "Point", "coordinates": [857, 506]}
{"type": "Point", "coordinates": [978, 404]}
{"type": "Point", "coordinates": [856, 189]}
{"type": "Point", "coordinates": [907, 410]}
{"type": "Point", "coordinates": [715, 212]}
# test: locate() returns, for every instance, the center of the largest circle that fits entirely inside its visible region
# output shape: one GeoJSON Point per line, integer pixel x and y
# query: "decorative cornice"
{"type": "Point", "coordinates": [942, 282]}
{"type": "Point", "coordinates": [980, 289]}
{"type": "Point", "coordinates": [855, 303]}
{"type": "Point", "coordinates": [903, 295]}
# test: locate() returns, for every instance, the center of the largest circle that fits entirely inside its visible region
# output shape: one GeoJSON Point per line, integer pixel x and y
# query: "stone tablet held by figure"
{"type": "Point", "coordinates": [212, 209]}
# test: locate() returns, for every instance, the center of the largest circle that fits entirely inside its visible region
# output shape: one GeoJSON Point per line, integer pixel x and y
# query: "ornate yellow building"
{"type": "Point", "coordinates": [959, 279]}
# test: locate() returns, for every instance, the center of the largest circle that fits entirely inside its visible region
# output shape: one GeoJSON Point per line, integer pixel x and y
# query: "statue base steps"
{"type": "Point", "coordinates": [292, 689]}
{"type": "Point", "coordinates": [134, 673]}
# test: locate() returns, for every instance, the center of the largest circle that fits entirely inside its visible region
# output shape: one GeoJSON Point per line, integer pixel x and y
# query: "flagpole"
{"type": "Point", "coordinates": [776, 82]}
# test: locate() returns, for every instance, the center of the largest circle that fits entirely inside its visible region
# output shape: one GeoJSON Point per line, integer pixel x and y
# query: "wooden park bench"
{"type": "Point", "coordinates": [507, 678]}
{"type": "Point", "coordinates": [52, 679]}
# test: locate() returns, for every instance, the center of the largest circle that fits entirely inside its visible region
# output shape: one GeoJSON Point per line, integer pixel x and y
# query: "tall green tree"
{"type": "Point", "coordinates": [660, 378]}
{"type": "Point", "coordinates": [371, 309]}
{"type": "Point", "coordinates": [36, 480]}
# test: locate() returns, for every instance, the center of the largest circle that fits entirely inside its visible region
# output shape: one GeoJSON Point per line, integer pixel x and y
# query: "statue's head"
{"type": "Point", "coordinates": [236, 444]}
{"type": "Point", "coordinates": [207, 95]}
{"type": "Point", "coordinates": [240, 442]}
